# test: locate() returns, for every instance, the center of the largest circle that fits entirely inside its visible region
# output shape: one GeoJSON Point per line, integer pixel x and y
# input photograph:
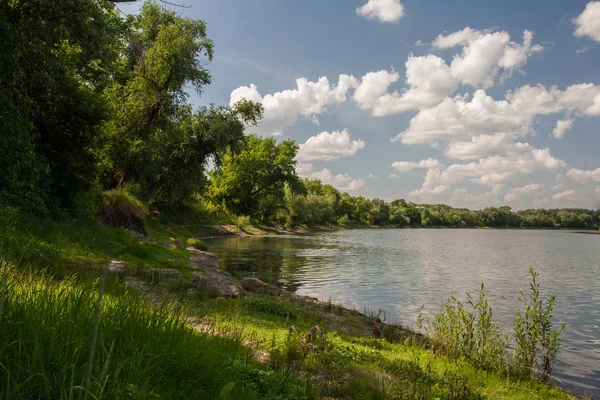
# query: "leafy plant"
{"type": "Point", "coordinates": [120, 208]}
{"type": "Point", "coordinates": [197, 244]}
{"type": "Point", "coordinates": [536, 342]}
{"type": "Point", "coordinates": [242, 222]}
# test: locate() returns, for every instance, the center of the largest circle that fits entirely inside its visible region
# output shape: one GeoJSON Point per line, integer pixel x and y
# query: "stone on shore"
{"type": "Point", "coordinates": [162, 274]}
{"type": "Point", "coordinates": [257, 286]}
{"type": "Point", "coordinates": [218, 287]}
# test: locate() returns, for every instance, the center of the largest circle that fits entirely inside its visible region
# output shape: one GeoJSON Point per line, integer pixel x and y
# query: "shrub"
{"type": "Point", "coordinates": [242, 222]}
{"type": "Point", "coordinates": [272, 307]}
{"type": "Point", "coordinates": [344, 220]}
{"type": "Point", "coordinates": [196, 243]}
{"type": "Point", "coordinates": [120, 208]}
{"type": "Point", "coordinates": [470, 331]}
{"type": "Point", "coordinates": [534, 334]}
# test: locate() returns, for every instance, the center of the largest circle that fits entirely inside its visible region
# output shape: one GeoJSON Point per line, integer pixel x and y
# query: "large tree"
{"type": "Point", "coordinates": [252, 181]}
{"type": "Point", "coordinates": [56, 58]}
{"type": "Point", "coordinates": [153, 139]}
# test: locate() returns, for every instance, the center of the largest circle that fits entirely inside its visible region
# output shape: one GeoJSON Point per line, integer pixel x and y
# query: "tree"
{"type": "Point", "coordinates": [56, 59]}
{"type": "Point", "coordinates": [164, 54]}
{"type": "Point", "coordinates": [259, 171]}
{"type": "Point", "coordinates": [154, 140]}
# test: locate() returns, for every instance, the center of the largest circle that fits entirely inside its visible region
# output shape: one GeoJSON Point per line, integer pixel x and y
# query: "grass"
{"type": "Point", "coordinates": [355, 364]}
{"type": "Point", "coordinates": [61, 339]}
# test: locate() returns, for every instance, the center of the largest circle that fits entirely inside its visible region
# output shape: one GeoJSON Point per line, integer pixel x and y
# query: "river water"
{"type": "Point", "coordinates": [400, 270]}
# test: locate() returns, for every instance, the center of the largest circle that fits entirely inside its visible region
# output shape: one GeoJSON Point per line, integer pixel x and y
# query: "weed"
{"type": "Point", "coordinates": [534, 335]}
{"type": "Point", "coordinates": [196, 243]}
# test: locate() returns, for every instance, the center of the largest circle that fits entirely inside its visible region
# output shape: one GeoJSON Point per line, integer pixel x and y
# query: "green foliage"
{"type": "Point", "coordinates": [270, 306]}
{"type": "Point", "coordinates": [536, 342]}
{"type": "Point", "coordinates": [197, 244]}
{"type": "Point", "coordinates": [53, 67]}
{"type": "Point", "coordinates": [153, 137]}
{"type": "Point", "coordinates": [120, 208]}
{"type": "Point", "coordinates": [112, 347]}
{"type": "Point", "coordinates": [471, 332]}
{"type": "Point", "coordinates": [252, 181]}
{"type": "Point", "coordinates": [242, 222]}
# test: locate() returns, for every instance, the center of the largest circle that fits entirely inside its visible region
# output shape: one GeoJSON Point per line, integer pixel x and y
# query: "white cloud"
{"type": "Point", "coordinates": [562, 126]}
{"type": "Point", "coordinates": [493, 171]}
{"type": "Point", "coordinates": [371, 176]}
{"type": "Point", "coordinates": [517, 193]}
{"type": "Point", "coordinates": [340, 181]}
{"type": "Point", "coordinates": [582, 50]}
{"type": "Point", "coordinates": [394, 176]}
{"type": "Point", "coordinates": [567, 194]}
{"type": "Point", "coordinates": [482, 146]}
{"type": "Point", "coordinates": [329, 146]}
{"type": "Point", "coordinates": [588, 22]}
{"type": "Point", "coordinates": [428, 79]}
{"type": "Point", "coordinates": [459, 119]}
{"type": "Point", "coordinates": [429, 163]}
{"type": "Point", "coordinates": [485, 53]}
{"type": "Point", "coordinates": [598, 189]}
{"type": "Point", "coordinates": [382, 10]}
{"type": "Point", "coordinates": [584, 176]}
{"type": "Point", "coordinates": [282, 109]}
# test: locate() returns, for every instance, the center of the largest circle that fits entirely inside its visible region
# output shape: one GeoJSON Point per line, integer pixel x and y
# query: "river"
{"type": "Point", "coordinates": [400, 270]}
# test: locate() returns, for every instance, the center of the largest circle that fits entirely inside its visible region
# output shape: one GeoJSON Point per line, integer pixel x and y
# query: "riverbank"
{"type": "Point", "coordinates": [164, 297]}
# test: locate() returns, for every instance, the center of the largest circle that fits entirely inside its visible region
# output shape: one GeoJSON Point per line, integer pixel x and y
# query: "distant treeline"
{"type": "Point", "coordinates": [309, 202]}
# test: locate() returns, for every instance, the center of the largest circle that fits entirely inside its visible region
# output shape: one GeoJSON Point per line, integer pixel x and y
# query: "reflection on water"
{"type": "Point", "coordinates": [401, 270]}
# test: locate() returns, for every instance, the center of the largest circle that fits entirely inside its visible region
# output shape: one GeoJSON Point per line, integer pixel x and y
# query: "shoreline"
{"type": "Point", "coordinates": [229, 230]}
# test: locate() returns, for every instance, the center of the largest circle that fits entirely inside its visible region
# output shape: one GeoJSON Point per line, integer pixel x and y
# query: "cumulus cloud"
{"type": "Point", "coordinates": [341, 181]}
{"type": "Point", "coordinates": [382, 10]}
{"type": "Point", "coordinates": [493, 171]}
{"type": "Point", "coordinates": [428, 80]}
{"type": "Point", "coordinates": [598, 189]}
{"type": "Point", "coordinates": [482, 146]}
{"type": "Point", "coordinates": [485, 53]}
{"type": "Point", "coordinates": [460, 119]}
{"type": "Point", "coordinates": [588, 22]}
{"type": "Point", "coordinates": [309, 99]}
{"type": "Point", "coordinates": [429, 163]}
{"type": "Point", "coordinates": [562, 126]}
{"type": "Point", "coordinates": [567, 194]}
{"type": "Point", "coordinates": [329, 146]}
{"type": "Point", "coordinates": [518, 193]}
{"type": "Point", "coordinates": [584, 176]}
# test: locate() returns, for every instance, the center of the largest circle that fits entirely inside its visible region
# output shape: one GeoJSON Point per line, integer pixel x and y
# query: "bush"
{"type": "Point", "coordinates": [242, 222]}
{"type": "Point", "coordinates": [196, 243]}
{"type": "Point", "coordinates": [470, 331]}
{"type": "Point", "coordinates": [534, 333]}
{"type": "Point", "coordinates": [120, 208]}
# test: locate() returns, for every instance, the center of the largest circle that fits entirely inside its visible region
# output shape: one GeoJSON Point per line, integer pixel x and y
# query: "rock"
{"type": "Point", "coordinates": [202, 259]}
{"type": "Point", "coordinates": [116, 267]}
{"type": "Point", "coordinates": [170, 245]}
{"type": "Point", "coordinates": [162, 274]}
{"type": "Point", "coordinates": [218, 287]}
{"type": "Point", "coordinates": [257, 286]}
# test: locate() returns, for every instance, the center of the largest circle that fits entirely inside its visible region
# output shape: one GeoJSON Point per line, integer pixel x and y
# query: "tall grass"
{"type": "Point", "coordinates": [470, 331]}
{"type": "Point", "coordinates": [65, 340]}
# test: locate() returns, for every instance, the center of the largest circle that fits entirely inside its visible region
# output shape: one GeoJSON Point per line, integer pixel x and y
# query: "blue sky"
{"type": "Point", "coordinates": [415, 104]}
